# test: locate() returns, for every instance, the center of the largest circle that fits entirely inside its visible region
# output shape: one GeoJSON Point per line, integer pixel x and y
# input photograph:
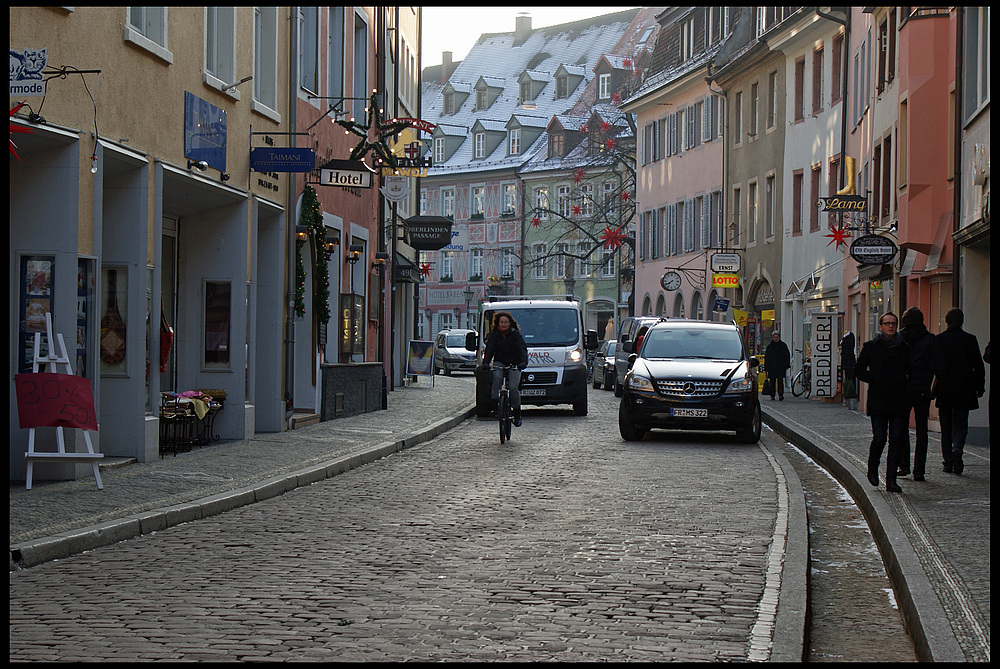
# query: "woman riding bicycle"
{"type": "Point", "coordinates": [505, 343]}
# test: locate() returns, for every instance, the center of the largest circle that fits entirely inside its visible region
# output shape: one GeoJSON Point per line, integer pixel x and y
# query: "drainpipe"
{"type": "Point", "coordinates": [293, 77]}
{"type": "Point", "coordinates": [956, 257]}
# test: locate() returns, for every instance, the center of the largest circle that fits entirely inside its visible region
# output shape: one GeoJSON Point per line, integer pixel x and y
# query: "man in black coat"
{"type": "Point", "coordinates": [923, 362]}
{"type": "Point", "coordinates": [777, 360]}
{"type": "Point", "coordinates": [884, 364]}
{"type": "Point", "coordinates": [961, 381]}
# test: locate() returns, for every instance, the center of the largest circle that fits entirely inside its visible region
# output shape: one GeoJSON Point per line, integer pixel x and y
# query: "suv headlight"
{"type": "Point", "coordinates": [575, 355]}
{"type": "Point", "coordinates": [743, 385]}
{"type": "Point", "coordinates": [637, 382]}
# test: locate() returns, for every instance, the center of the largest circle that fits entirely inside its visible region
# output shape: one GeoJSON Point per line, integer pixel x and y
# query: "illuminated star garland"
{"type": "Point", "coordinates": [838, 235]}
{"type": "Point", "coordinates": [386, 131]}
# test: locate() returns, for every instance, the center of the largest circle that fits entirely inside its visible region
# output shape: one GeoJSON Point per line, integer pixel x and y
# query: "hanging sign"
{"type": "Point", "coordinates": [726, 262]}
{"type": "Point", "coordinates": [845, 203]}
{"type": "Point", "coordinates": [725, 281]}
{"type": "Point", "coordinates": [54, 400]}
{"type": "Point", "coordinates": [429, 233]}
{"type": "Point", "coordinates": [26, 67]}
{"type": "Point", "coordinates": [721, 305]}
{"type": "Point", "coordinates": [346, 173]}
{"type": "Point", "coordinates": [395, 189]}
{"type": "Point", "coordinates": [265, 159]}
{"type": "Point", "coordinates": [825, 353]}
{"type": "Point", "coordinates": [873, 250]}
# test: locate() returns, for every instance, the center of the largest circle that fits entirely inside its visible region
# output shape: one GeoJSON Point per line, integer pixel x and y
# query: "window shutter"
{"type": "Point", "coordinates": [706, 120]}
{"type": "Point", "coordinates": [706, 226]}
{"type": "Point", "coordinates": [654, 245]}
{"type": "Point", "coordinates": [688, 226]}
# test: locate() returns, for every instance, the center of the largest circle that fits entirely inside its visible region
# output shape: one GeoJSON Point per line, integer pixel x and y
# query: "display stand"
{"type": "Point", "coordinates": [53, 361]}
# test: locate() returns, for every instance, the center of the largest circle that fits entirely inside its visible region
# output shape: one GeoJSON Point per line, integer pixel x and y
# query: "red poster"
{"type": "Point", "coordinates": [54, 400]}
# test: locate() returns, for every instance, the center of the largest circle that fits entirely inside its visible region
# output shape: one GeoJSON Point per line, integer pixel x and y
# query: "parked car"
{"type": "Point", "coordinates": [604, 364]}
{"type": "Point", "coordinates": [450, 353]}
{"type": "Point", "coordinates": [628, 331]}
{"type": "Point", "coordinates": [691, 375]}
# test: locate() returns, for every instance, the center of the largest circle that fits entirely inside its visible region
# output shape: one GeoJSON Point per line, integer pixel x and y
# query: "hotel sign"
{"type": "Point", "coordinates": [346, 173]}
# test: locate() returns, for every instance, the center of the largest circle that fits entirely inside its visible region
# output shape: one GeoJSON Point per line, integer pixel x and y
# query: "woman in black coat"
{"type": "Point", "coordinates": [777, 360]}
{"type": "Point", "coordinates": [884, 364]}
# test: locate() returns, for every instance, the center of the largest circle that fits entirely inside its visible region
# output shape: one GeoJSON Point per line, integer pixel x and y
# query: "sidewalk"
{"type": "Point", "coordinates": [57, 519]}
{"type": "Point", "coordinates": [934, 537]}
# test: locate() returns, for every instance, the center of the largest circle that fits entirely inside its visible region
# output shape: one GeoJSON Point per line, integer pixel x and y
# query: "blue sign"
{"type": "Point", "coordinates": [265, 159]}
{"type": "Point", "coordinates": [721, 305]}
{"type": "Point", "coordinates": [204, 132]}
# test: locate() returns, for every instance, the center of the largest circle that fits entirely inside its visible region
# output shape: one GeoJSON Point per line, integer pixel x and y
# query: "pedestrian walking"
{"type": "Point", "coordinates": [777, 360]}
{"type": "Point", "coordinates": [847, 362]}
{"type": "Point", "coordinates": [961, 381]}
{"type": "Point", "coordinates": [923, 362]}
{"type": "Point", "coordinates": [884, 364]}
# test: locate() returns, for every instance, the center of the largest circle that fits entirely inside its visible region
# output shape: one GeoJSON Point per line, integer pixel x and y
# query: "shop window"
{"type": "Point", "coordinates": [114, 330]}
{"type": "Point", "coordinates": [218, 324]}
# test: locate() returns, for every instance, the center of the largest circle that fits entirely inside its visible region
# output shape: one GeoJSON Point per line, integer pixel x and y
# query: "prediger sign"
{"type": "Point", "coordinates": [825, 355]}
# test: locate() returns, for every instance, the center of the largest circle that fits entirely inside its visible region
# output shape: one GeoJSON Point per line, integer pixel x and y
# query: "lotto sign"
{"type": "Point", "coordinates": [725, 281]}
{"type": "Point", "coordinates": [54, 400]}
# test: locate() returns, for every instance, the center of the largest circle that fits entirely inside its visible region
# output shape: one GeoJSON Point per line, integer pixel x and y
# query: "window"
{"type": "Point", "coordinates": [557, 143]}
{"type": "Point", "coordinates": [309, 49]}
{"type": "Point", "coordinates": [687, 213]}
{"type": "Point", "coordinates": [752, 214]}
{"type": "Point", "coordinates": [480, 145]}
{"type": "Point", "coordinates": [800, 76]}
{"type": "Point", "coordinates": [654, 234]}
{"type": "Point", "coordinates": [669, 215]}
{"type": "Point", "coordinates": [769, 207]}
{"type": "Point", "coordinates": [525, 90]}
{"type": "Point", "coordinates": [687, 40]}
{"type": "Point", "coordinates": [513, 141]}
{"type": "Point", "coordinates": [482, 99]}
{"type": "Point", "coordinates": [476, 265]}
{"type": "Point", "coordinates": [423, 201]}
{"type": "Point", "coordinates": [610, 199]}
{"type": "Point", "coordinates": [542, 201]}
{"type": "Point", "coordinates": [607, 262]}
{"type": "Point", "coordinates": [438, 150]}
{"type": "Point", "coordinates": [836, 69]}
{"type": "Point", "coordinates": [478, 201]}
{"type": "Point", "coordinates": [562, 87]}
{"type": "Point", "coordinates": [538, 262]}
{"type": "Point", "coordinates": [562, 201]}
{"type": "Point", "coordinates": [220, 43]}
{"type": "Point", "coordinates": [561, 260]}
{"type": "Point", "coordinates": [335, 53]}
{"type": "Point", "coordinates": [817, 81]}
{"type": "Point", "coordinates": [887, 191]}
{"type": "Point", "coordinates": [449, 103]}
{"type": "Point", "coordinates": [772, 99]}
{"type": "Point", "coordinates": [447, 266]}
{"type": "Point", "coordinates": [448, 202]}
{"type": "Point", "coordinates": [510, 198]}
{"type": "Point", "coordinates": [508, 260]}
{"type": "Point", "coordinates": [582, 267]}
{"type": "Point", "coordinates": [797, 202]}
{"type": "Point", "coordinates": [147, 28]}
{"type": "Point", "coordinates": [218, 317]}
{"type": "Point", "coordinates": [604, 86]}
{"type": "Point", "coordinates": [739, 117]}
{"type": "Point", "coordinates": [976, 84]}
{"type": "Point", "coordinates": [361, 87]}
{"type": "Point", "coordinates": [904, 141]}
{"type": "Point", "coordinates": [265, 57]}
{"type": "Point", "coordinates": [737, 214]}
{"type": "Point", "coordinates": [814, 196]}
{"type": "Point", "coordinates": [587, 199]}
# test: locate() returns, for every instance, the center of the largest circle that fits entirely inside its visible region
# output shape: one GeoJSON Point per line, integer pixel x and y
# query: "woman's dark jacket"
{"type": "Point", "coordinates": [777, 359]}
{"type": "Point", "coordinates": [884, 364]}
{"type": "Point", "coordinates": [509, 349]}
{"type": "Point", "coordinates": [923, 359]}
{"type": "Point", "coordinates": [962, 375]}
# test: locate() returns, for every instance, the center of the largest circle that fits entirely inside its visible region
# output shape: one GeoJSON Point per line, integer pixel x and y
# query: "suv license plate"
{"type": "Point", "coordinates": [530, 392]}
{"type": "Point", "coordinates": [689, 413]}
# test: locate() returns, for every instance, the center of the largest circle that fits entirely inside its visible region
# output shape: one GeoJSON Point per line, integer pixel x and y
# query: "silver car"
{"type": "Point", "coordinates": [604, 365]}
{"type": "Point", "coordinates": [450, 353]}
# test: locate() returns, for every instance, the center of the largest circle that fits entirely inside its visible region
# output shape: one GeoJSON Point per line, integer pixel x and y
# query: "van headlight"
{"type": "Point", "coordinates": [576, 355]}
{"type": "Point", "coordinates": [743, 385]}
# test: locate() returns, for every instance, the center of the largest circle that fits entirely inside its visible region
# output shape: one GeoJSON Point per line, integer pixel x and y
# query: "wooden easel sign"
{"type": "Point", "coordinates": [55, 399]}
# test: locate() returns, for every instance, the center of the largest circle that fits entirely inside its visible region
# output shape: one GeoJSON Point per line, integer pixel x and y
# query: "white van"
{"type": "Point", "coordinates": [552, 328]}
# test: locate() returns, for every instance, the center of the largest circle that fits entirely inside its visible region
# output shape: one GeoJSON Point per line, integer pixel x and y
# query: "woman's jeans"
{"type": "Point", "coordinates": [513, 378]}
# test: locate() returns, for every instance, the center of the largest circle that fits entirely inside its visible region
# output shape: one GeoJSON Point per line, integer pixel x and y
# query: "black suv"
{"type": "Point", "coordinates": [690, 375]}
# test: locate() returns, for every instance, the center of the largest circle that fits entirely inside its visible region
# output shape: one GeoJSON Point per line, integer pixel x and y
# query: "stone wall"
{"type": "Point", "coordinates": [350, 389]}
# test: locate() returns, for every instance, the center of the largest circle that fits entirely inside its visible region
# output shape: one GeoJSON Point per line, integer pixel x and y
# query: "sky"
{"type": "Point", "coordinates": [456, 29]}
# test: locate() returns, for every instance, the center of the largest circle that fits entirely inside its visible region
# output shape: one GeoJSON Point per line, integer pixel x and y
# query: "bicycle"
{"type": "Point", "coordinates": [802, 383]}
{"type": "Point", "coordinates": [505, 413]}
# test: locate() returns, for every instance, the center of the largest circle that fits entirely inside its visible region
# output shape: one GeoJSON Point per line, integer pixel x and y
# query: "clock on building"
{"type": "Point", "coordinates": [671, 281]}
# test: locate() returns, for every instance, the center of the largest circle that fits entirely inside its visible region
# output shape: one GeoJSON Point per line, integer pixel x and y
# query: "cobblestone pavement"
{"type": "Point", "coordinates": [564, 544]}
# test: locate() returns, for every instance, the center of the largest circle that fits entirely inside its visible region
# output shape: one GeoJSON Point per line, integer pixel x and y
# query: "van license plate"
{"type": "Point", "coordinates": [689, 413]}
{"type": "Point", "coordinates": [533, 392]}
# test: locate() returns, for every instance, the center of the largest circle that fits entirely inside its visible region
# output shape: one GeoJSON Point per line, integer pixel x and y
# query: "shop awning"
{"type": "Point", "coordinates": [404, 270]}
{"type": "Point", "coordinates": [807, 283]}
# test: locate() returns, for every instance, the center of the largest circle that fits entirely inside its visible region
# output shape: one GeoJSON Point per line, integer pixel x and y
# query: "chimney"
{"type": "Point", "coordinates": [522, 28]}
{"type": "Point", "coordinates": [446, 66]}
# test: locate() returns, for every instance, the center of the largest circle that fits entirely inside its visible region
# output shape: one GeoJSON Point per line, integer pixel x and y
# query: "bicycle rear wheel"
{"type": "Point", "coordinates": [798, 385]}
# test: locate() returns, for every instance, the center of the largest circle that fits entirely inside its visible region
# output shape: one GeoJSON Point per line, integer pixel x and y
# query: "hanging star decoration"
{"type": "Point", "coordinates": [626, 195]}
{"type": "Point", "coordinates": [425, 269]}
{"type": "Point", "coordinates": [577, 209]}
{"type": "Point", "coordinates": [17, 128]}
{"type": "Point", "coordinates": [609, 144]}
{"type": "Point", "coordinates": [578, 175]}
{"type": "Point", "coordinates": [616, 97]}
{"type": "Point", "coordinates": [605, 126]}
{"type": "Point", "coordinates": [612, 238]}
{"type": "Point", "coordinates": [386, 131]}
{"type": "Point", "coordinates": [536, 222]}
{"type": "Point", "coordinates": [838, 235]}
{"type": "Point", "coordinates": [627, 63]}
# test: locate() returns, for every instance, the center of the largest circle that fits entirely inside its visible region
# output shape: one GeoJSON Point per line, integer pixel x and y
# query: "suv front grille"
{"type": "Point", "coordinates": [687, 388]}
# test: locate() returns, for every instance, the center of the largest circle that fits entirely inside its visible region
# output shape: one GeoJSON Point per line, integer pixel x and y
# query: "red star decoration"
{"type": "Point", "coordinates": [626, 195]}
{"type": "Point", "coordinates": [17, 128]}
{"type": "Point", "coordinates": [616, 98]}
{"type": "Point", "coordinates": [425, 269]}
{"type": "Point", "coordinates": [584, 130]}
{"type": "Point", "coordinates": [578, 176]}
{"type": "Point", "coordinates": [605, 126]}
{"type": "Point", "coordinates": [576, 210]}
{"type": "Point", "coordinates": [609, 144]}
{"type": "Point", "coordinates": [838, 235]}
{"type": "Point", "coordinates": [612, 238]}
{"type": "Point", "coordinates": [627, 63]}
{"type": "Point", "coordinates": [536, 222]}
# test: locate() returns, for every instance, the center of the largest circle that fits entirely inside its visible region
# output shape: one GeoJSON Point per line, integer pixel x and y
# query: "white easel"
{"type": "Point", "coordinates": [53, 360]}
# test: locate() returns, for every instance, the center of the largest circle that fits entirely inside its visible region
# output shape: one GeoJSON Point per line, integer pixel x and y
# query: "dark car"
{"type": "Point", "coordinates": [629, 331]}
{"type": "Point", "coordinates": [690, 375]}
{"type": "Point", "coordinates": [604, 364]}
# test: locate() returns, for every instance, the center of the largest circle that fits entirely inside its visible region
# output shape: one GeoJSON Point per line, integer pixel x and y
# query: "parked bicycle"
{"type": "Point", "coordinates": [505, 412]}
{"type": "Point", "coordinates": [802, 383]}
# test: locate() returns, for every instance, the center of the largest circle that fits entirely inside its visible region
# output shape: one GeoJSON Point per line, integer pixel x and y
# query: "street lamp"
{"type": "Point", "coordinates": [469, 294]}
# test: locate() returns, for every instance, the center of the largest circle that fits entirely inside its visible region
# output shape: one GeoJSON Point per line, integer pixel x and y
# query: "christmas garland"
{"type": "Point", "coordinates": [312, 218]}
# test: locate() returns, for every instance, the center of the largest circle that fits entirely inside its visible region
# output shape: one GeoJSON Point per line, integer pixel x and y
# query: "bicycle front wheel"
{"type": "Point", "coordinates": [503, 418]}
{"type": "Point", "coordinates": [799, 385]}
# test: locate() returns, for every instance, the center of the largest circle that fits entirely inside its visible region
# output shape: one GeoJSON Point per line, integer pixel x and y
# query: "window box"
{"type": "Point", "coordinates": [446, 279]}
{"type": "Point", "coordinates": [476, 217]}
{"type": "Point", "coordinates": [508, 214]}
{"type": "Point", "coordinates": [476, 277]}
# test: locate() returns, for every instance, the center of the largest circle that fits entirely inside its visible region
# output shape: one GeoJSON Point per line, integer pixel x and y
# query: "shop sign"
{"type": "Point", "coordinates": [845, 203]}
{"type": "Point", "coordinates": [725, 280]}
{"type": "Point", "coordinates": [26, 67]}
{"type": "Point", "coordinates": [429, 233]}
{"type": "Point", "coordinates": [824, 353]}
{"type": "Point", "coordinates": [726, 262]}
{"type": "Point", "coordinates": [264, 159]}
{"type": "Point", "coordinates": [721, 305]}
{"type": "Point", "coordinates": [395, 189]}
{"type": "Point", "coordinates": [346, 173]}
{"type": "Point", "coordinates": [873, 250]}
{"type": "Point", "coordinates": [205, 134]}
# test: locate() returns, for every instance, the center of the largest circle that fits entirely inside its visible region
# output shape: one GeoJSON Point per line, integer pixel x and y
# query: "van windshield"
{"type": "Point", "coordinates": [548, 327]}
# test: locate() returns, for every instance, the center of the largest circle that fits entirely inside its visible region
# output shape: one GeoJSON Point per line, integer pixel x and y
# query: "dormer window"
{"type": "Point", "coordinates": [449, 103]}
{"type": "Point", "coordinates": [513, 141]}
{"type": "Point", "coordinates": [481, 100]}
{"type": "Point", "coordinates": [480, 149]}
{"type": "Point", "coordinates": [562, 87]}
{"type": "Point", "coordinates": [525, 90]}
{"type": "Point", "coordinates": [557, 145]}
{"type": "Point", "coordinates": [604, 87]}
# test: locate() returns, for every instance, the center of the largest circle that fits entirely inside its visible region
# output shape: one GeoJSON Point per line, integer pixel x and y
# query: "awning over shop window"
{"type": "Point", "coordinates": [404, 270]}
